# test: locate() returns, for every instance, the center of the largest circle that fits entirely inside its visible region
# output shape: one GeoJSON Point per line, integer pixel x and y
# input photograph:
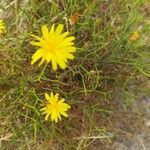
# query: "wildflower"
{"type": "Point", "coordinates": [2, 26]}
{"type": "Point", "coordinates": [73, 19]}
{"type": "Point", "coordinates": [55, 107]}
{"type": "Point", "coordinates": [134, 36]}
{"type": "Point", "coordinates": [55, 47]}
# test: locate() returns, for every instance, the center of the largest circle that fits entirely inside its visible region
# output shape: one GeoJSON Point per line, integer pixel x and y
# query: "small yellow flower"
{"type": "Point", "coordinates": [55, 108]}
{"type": "Point", "coordinates": [135, 35]}
{"type": "Point", "coordinates": [2, 26]}
{"type": "Point", "coordinates": [54, 46]}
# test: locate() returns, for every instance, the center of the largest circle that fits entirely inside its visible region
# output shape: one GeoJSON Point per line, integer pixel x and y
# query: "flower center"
{"type": "Point", "coordinates": [51, 46]}
{"type": "Point", "coordinates": [55, 107]}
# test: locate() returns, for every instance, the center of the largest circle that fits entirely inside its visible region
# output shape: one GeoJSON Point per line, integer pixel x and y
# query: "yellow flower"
{"type": "Point", "coordinates": [2, 26]}
{"type": "Point", "coordinates": [134, 36]}
{"type": "Point", "coordinates": [55, 108]}
{"type": "Point", "coordinates": [54, 46]}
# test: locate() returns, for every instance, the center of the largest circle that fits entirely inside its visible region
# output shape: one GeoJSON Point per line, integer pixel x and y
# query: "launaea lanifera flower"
{"type": "Point", "coordinates": [2, 26]}
{"type": "Point", "coordinates": [55, 46]}
{"type": "Point", "coordinates": [135, 35]}
{"type": "Point", "coordinates": [54, 107]}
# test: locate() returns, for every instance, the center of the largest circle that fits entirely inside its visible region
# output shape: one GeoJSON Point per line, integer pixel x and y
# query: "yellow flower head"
{"type": "Point", "coordinates": [2, 26]}
{"type": "Point", "coordinates": [55, 108]}
{"type": "Point", "coordinates": [134, 36]}
{"type": "Point", "coordinates": [54, 46]}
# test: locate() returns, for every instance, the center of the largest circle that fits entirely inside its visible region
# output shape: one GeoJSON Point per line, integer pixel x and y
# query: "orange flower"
{"type": "Point", "coordinates": [73, 19]}
{"type": "Point", "coordinates": [135, 35]}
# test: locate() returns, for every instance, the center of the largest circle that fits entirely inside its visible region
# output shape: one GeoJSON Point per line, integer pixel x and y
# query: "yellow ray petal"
{"type": "Point", "coordinates": [37, 37]}
{"type": "Point", "coordinates": [54, 64]}
{"type": "Point", "coordinates": [41, 62]}
{"type": "Point", "coordinates": [47, 115]}
{"type": "Point", "coordinates": [59, 29]}
{"type": "Point", "coordinates": [36, 43]}
{"type": "Point", "coordinates": [45, 31]}
{"type": "Point", "coordinates": [65, 34]}
{"type": "Point", "coordinates": [69, 56]}
{"type": "Point", "coordinates": [47, 97]}
{"type": "Point", "coordinates": [61, 101]}
{"type": "Point", "coordinates": [37, 55]}
{"type": "Point", "coordinates": [52, 30]}
{"type": "Point", "coordinates": [64, 114]}
{"type": "Point", "coordinates": [62, 64]}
